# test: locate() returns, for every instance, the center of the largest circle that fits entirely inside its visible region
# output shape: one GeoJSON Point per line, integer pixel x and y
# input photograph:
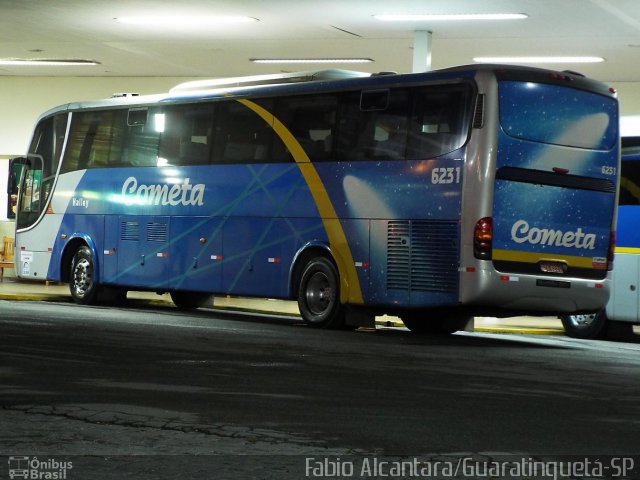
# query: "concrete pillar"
{"type": "Point", "coordinates": [421, 51]}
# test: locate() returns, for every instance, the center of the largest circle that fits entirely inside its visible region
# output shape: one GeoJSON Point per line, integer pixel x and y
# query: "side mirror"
{"type": "Point", "coordinates": [16, 165]}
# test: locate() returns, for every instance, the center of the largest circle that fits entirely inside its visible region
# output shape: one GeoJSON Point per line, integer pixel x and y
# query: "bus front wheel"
{"type": "Point", "coordinates": [82, 281]}
{"type": "Point", "coordinates": [590, 326]}
{"type": "Point", "coordinates": [319, 295]}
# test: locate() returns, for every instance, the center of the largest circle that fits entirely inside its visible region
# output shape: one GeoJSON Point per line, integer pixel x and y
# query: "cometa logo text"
{"type": "Point", "coordinates": [521, 232]}
{"type": "Point", "coordinates": [162, 194]}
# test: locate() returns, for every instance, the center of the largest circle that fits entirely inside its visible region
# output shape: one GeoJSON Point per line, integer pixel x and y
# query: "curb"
{"type": "Point", "coordinates": [36, 297]}
{"type": "Point", "coordinates": [521, 331]}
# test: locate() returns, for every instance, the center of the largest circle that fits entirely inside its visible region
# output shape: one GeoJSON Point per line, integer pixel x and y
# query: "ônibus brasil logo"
{"type": "Point", "coordinates": [34, 468]}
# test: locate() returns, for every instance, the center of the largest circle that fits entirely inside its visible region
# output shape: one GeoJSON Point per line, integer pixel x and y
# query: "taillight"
{"type": "Point", "coordinates": [612, 249]}
{"type": "Point", "coordinates": [482, 238]}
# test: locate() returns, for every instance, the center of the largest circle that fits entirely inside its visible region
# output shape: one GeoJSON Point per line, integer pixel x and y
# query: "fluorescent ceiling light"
{"type": "Point", "coordinates": [180, 21]}
{"type": "Point", "coordinates": [311, 60]}
{"type": "Point", "coordinates": [46, 62]}
{"type": "Point", "coordinates": [538, 59]}
{"type": "Point", "coordinates": [449, 17]}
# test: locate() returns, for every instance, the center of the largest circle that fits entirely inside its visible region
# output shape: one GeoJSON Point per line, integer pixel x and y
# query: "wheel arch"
{"type": "Point", "coordinates": [77, 241]}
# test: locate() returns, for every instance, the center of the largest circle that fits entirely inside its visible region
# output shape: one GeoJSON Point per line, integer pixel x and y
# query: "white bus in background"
{"type": "Point", "coordinates": [623, 309]}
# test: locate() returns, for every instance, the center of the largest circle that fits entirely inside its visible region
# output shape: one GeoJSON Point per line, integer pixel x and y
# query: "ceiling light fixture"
{"type": "Point", "coordinates": [46, 62]}
{"type": "Point", "coordinates": [449, 17]}
{"type": "Point", "coordinates": [181, 21]}
{"type": "Point", "coordinates": [538, 59]}
{"type": "Point", "coordinates": [311, 60]}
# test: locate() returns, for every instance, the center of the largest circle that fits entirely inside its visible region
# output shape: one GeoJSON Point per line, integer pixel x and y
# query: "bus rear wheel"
{"type": "Point", "coordinates": [319, 295]}
{"type": "Point", "coordinates": [590, 326]}
{"type": "Point", "coordinates": [82, 281]}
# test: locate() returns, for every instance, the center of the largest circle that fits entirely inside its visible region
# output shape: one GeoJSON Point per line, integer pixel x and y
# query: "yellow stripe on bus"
{"type": "Point", "coordinates": [350, 291]}
{"type": "Point", "coordinates": [531, 257]}
{"type": "Point", "coordinates": [628, 250]}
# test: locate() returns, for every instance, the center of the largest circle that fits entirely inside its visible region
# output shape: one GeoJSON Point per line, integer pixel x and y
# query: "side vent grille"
{"type": "Point", "coordinates": [478, 115]}
{"type": "Point", "coordinates": [422, 256]}
{"type": "Point", "coordinates": [157, 232]}
{"type": "Point", "coordinates": [130, 231]}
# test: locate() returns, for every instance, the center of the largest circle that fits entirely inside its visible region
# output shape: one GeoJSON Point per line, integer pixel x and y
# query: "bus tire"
{"type": "Point", "coordinates": [319, 295]}
{"type": "Point", "coordinates": [419, 323]}
{"type": "Point", "coordinates": [189, 300]}
{"type": "Point", "coordinates": [82, 281]}
{"type": "Point", "coordinates": [591, 326]}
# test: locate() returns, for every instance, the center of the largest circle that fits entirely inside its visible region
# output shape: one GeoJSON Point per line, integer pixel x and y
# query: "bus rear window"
{"type": "Point", "coordinates": [558, 115]}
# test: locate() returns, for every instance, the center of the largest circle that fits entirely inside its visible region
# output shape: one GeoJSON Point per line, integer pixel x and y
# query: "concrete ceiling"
{"type": "Point", "coordinates": [86, 29]}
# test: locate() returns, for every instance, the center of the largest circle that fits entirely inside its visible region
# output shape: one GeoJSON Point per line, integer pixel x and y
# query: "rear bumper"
{"type": "Point", "coordinates": [533, 294]}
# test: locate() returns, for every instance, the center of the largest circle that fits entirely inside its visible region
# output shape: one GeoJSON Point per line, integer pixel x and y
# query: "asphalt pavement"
{"type": "Point", "coordinates": [12, 288]}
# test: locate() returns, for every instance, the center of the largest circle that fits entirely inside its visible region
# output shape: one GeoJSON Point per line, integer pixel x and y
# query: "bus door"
{"type": "Point", "coordinates": [555, 181]}
{"type": "Point", "coordinates": [136, 251]}
{"type": "Point", "coordinates": [196, 254]}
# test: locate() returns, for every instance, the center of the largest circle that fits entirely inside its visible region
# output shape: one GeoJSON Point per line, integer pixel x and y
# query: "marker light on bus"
{"type": "Point", "coordinates": [482, 238]}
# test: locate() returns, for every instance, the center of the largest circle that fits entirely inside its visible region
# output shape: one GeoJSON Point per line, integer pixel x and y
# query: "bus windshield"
{"type": "Point", "coordinates": [43, 160]}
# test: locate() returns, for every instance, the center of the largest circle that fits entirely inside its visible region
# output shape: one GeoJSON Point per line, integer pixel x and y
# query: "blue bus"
{"type": "Point", "coordinates": [623, 309]}
{"type": "Point", "coordinates": [473, 190]}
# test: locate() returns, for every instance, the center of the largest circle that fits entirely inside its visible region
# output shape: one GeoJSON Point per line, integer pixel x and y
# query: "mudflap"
{"type": "Point", "coordinates": [359, 317]}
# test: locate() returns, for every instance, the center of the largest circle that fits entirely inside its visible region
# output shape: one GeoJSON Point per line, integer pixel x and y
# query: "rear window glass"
{"type": "Point", "coordinates": [558, 115]}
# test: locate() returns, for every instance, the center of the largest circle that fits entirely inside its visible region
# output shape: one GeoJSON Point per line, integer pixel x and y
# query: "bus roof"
{"type": "Point", "coordinates": [271, 79]}
{"type": "Point", "coordinates": [309, 81]}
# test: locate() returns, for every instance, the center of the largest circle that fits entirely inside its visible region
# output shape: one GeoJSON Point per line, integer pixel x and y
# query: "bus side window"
{"type": "Point", "coordinates": [241, 135]}
{"type": "Point", "coordinates": [238, 142]}
{"type": "Point", "coordinates": [439, 120]}
{"type": "Point", "coordinates": [96, 140]}
{"type": "Point", "coordinates": [373, 125]}
{"type": "Point", "coordinates": [312, 121]}
{"type": "Point", "coordinates": [105, 140]}
{"type": "Point", "coordinates": [389, 137]}
{"type": "Point", "coordinates": [141, 144]}
{"type": "Point", "coordinates": [187, 135]}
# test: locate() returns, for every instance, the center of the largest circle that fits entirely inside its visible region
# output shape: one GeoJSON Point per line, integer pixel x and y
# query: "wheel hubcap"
{"type": "Point", "coordinates": [82, 277]}
{"type": "Point", "coordinates": [583, 320]}
{"type": "Point", "coordinates": [320, 295]}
